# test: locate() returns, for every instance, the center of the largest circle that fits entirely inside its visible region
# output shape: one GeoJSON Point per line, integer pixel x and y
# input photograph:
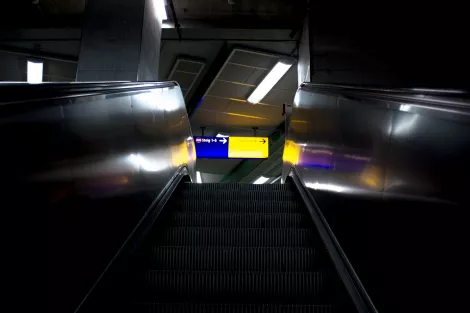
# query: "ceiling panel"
{"type": "Point", "coordinates": [253, 59]}
{"type": "Point", "coordinates": [204, 118]}
{"type": "Point", "coordinates": [279, 97]}
{"type": "Point", "coordinates": [221, 112]}
{"type": "Point", "coordinates": [190, 66]}
{"type": "Point", "coordinates": [186, 72]}
{"type": "Point", "coordinates": [184, 79]}
{"type": "Point", "coordinates": [214, 103]}
{"type": "Point", "coordinates": [236, 73]}
{"type": "Point", "coordinates": [256, 76]}
{"type": "Point", "coordinates": [263, 111]}
{"type": "Point", "coordinates": [229, 90]}
{"type": "Point", "coordinates": [240, 121]}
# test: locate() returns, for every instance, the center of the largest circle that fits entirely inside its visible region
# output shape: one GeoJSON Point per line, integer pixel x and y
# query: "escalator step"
{"type": "Point", "coordinates": [217, 206]}
{"type": "Point", "coordinates": [237, 220]}
{"type": "Point", "coordinates": [180, 236]}
{"type": "Point", "coordinates": [231, 286]}
{"type": "Point", "coordinates": [246, 195]}
{"type": "Point", "coordinates": [231, 308]}
{"type": "Point", "coordinates": [239, 186]}
{"type": "Point", "coordinates": [232, 258]}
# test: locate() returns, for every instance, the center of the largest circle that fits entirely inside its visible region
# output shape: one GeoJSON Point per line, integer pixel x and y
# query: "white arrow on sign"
{"type": "Point", "coordinates": [223, 140]}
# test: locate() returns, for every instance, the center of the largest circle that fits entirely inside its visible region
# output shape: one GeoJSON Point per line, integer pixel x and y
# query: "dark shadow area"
{"type": "Point", "coordinates": [410, 255]}
{"type": "Point", "coordinates": [83, 236]}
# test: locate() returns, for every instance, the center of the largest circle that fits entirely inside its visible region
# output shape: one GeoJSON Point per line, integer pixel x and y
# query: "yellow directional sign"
{"type": "Point", "coordinates": [248, 147]}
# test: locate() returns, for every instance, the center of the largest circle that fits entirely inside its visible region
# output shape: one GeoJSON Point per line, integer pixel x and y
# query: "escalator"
{"type": "Point", "coordinates": [225, 248]}
{"type": "Point", "coordinates": [114, 161]}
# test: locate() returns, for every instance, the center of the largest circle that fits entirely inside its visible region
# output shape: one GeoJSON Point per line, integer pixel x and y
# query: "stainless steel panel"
{"type": "Point", "coordinates": [92, 158]}
{"type": "Point", "coordinates": [405, 143]}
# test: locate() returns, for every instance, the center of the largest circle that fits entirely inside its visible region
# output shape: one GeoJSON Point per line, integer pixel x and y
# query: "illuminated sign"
{"type": "Point", "coordinates": [232, 147]}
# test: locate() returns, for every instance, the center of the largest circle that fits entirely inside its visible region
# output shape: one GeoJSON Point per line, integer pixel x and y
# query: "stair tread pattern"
{"type": "Point", "coordinates": [231, 248]}
{"type": "Point", "coordinates": [235, 206]}
{"type": "Point", "coordinates": [234, 258]}
{"type": "Point", "coordinates": [235, 285]}
{"type": "Point", "coordinates": [152, 307]}
{"type": "Point", "coordinates": [209, 236]}
{"type": "Point", "coordinates": [238, 220]}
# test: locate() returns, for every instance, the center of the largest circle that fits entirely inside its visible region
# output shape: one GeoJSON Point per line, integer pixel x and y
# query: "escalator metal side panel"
{"type": "Point", "coordinates": [91, 158]}
{"type": "Point", "coordinates": [400, 143]}
{"type": "Point", "coordinates": [345, 270]}
{"type": "Point", "coordinates": [122, 258]}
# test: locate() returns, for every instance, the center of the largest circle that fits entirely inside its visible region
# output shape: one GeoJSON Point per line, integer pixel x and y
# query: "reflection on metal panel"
{"type": "Point", "coordinates": [84, 137]}
{"type": "Point", "coordinates": [382, 142]}
{"type": "Point", "coordinates": [90, 159]}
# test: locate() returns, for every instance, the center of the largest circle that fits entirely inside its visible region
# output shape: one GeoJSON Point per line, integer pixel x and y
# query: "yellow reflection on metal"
{"type": "Point", "coordinates": [298, 121]}
{"type": "Point", "coordinates": [248, 147]}
{"type": "Point", "coordinates": [372, 176]}
{"type": "Point", "coordinates": [180, 154]}
{"type": "Point", "coordinates": [247, 116]}
{"type": "Point", "coordinates": [291, 152]}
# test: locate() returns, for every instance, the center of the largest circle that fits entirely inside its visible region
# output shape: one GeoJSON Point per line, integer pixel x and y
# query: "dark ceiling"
{"type": "Point", "coordinates": [249, 13]}
{"type": "Point", "coordinates": [42, 13]}
{"type": "Point", "coordinates": [223, 13]}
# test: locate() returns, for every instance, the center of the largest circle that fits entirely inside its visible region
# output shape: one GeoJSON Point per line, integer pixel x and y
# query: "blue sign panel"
{"type": "Point", "coordinates": [211, 147]}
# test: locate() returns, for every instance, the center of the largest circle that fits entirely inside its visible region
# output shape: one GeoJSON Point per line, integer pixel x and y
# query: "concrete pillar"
{"type": "Point", "coordinates": [120, 41]}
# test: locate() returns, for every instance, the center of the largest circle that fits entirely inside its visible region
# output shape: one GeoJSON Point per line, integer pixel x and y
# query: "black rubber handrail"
{"type": "Point", "coordinates": [138, 234]}
{"type": "Point", "coordinates": [346, 272]}
{"type": "Point", "coordinates": [17, 93]}
{"type": "Point", "coordinates": [459, 99]}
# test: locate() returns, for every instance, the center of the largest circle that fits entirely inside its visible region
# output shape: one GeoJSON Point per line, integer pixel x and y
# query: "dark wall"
{"type": "Point", "coordinates": [13, 68]}
{"type": "Point", "coordinates": [57, 48]}
{"type": "Point", "coordinates": [79, 171]}
{"type": "Point", "coordinates": [409, 255]}
{"type": "Point", "coordinates": [388, 44]}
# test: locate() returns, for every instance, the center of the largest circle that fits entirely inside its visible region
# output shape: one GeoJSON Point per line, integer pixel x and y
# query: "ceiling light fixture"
{"type": "Point", "coordinates": [269, 81]}
{"type": "Point", "coordinates": [35, 71]}
{"type": "Point", "coordinates": [160, 10]}
{"type": "Point", "coordinates": [261, 180]}
{"type": "Point", "coordinates": [222, 135]}
{"type": "Point", "coordinates": [198, 177]}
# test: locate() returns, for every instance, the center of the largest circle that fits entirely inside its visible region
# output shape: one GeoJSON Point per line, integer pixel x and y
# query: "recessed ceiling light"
{"type": "Point", "coordinates": [269, 81]}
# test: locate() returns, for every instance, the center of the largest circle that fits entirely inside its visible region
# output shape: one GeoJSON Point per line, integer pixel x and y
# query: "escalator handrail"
{"type": "Point", "coordinates": [18, 93]}
{"type": "Point", "coordinates": [139, 232]}
{"type": "Point", "coordinates": [456, 99]}
{"type": "Point", "coordinates": [346, 272]}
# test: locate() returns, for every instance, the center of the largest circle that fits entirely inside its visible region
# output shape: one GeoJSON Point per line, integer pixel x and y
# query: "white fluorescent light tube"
{"type": "Point", "coordinates": [198, 177]}
{"type": "Point", "coordinates": [222, 135]}
{"type": "Point", "coordinates": [261, 180]}
{"type": "Point", "coordinates": [269, 81]}
{"type": "Point", "coordinates": [160, 10]}
{"type": "Point", "coordinates": [35, 71]}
